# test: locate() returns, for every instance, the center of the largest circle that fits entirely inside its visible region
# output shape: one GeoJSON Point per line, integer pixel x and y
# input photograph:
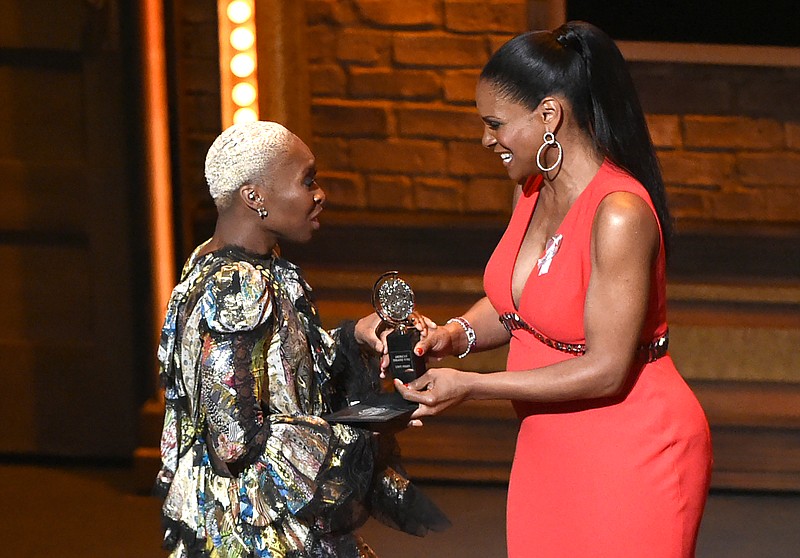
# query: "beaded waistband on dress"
{"type": "Point", "coordinates": [650, 352]}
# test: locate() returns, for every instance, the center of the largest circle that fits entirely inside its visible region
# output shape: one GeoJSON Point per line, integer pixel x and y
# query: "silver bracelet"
{"type": "Point", "coordinates": [471, 338]}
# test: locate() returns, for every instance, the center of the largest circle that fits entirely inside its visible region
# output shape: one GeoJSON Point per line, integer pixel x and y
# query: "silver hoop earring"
{"type": "Point", "coordinates": [262, 212]}
{"type": "Point", "coordinates": [549, 141]}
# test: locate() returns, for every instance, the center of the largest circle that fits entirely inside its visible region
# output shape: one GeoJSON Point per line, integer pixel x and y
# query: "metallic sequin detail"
{"type": "Point", "coordinates": [649, 353]}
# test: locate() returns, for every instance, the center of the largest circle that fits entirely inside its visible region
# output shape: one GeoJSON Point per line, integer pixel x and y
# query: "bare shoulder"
{"type": "Point", "coordinates": [625, 224]}
{"type": "Point", "coordinates": [625, 212]}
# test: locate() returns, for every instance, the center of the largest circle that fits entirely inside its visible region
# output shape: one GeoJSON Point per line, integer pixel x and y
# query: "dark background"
{"type": "Point", "coordinates": [686, 21]}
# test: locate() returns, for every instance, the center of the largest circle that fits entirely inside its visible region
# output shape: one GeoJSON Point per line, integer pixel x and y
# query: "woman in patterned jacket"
{"type": "Point", "coordinates": [248, 466]}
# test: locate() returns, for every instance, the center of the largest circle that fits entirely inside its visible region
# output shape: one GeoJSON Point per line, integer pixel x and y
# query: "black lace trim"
{"type": "Point", "coordinates": [176, 531]}
{"type": "Point", "coordinates": [355, 373]}
{"type": "Point", "coordinates": [244, 384]}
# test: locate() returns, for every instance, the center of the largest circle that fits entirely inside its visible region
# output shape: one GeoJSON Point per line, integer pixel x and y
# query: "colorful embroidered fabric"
{"type": "Point", "coordinates": [248, 467]}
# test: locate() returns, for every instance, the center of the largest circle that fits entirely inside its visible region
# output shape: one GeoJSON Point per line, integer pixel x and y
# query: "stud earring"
{"type": "Point", "coordinates": [251, 196]}
{"type": "Point", "coordinates": [262, 212]}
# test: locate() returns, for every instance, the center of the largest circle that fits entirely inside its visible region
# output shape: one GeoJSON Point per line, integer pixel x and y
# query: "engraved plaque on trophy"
{"type": "Point", "coordinates": [393, 301]}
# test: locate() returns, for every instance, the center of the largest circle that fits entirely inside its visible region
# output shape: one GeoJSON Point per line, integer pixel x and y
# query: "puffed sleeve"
{"type": "Point", "coordinates": [237, 309]}
{"type": "Point", "coordinates": [236, 299]}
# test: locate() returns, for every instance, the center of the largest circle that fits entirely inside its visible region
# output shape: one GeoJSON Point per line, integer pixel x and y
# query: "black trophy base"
{"type": "Point", "coordinates": [403, 363]}
{"type": "Point", "coordinates": [388, 411]}
{"type": "Point", "coordinates": [384, 412]}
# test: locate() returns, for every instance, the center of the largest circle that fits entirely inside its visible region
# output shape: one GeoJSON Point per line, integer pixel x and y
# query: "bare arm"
{"type": "Point", "coordinates": [625, 242]}
{"type": "Point", "coordinates": [451, 339]}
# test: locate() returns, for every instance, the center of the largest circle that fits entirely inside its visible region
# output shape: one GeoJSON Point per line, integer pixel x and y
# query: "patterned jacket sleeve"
{"type": "Point", "coordinates": [237, 311]}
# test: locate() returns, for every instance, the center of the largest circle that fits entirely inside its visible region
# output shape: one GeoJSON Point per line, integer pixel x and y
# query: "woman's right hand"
{"type": "Point", "coordinates": [451, 338]}
{"type": "Point", "coordinates": [438, 343]}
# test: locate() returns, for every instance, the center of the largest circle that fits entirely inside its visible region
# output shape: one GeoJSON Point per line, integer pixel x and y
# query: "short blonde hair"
{"type": "Point", "coordinates": [243, 154]}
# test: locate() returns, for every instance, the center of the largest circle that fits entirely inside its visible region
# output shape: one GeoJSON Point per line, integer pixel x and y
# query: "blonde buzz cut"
{"type": "Point", "coordinates": [244, 154]}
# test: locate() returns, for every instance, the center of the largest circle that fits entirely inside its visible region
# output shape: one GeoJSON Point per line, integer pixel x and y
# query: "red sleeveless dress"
{"type": "Point", "coordinates": [616, 478]}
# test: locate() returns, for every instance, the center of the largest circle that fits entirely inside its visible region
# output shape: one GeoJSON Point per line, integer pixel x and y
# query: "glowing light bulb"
{"type": "Point", "coordinates": [245, 115]}
{"type": "Point", "coordinates": [242, 65]}
{"type": "Point", "coordinates": [243, 94]}
{"type": "Point", "coordinates": [239, 11]}
{"type": "Point", "coordinates": [242, 38]}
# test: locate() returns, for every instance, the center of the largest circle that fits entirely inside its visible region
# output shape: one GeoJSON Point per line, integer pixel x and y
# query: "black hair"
{"type": "Point", "coordinates": [582, 63]}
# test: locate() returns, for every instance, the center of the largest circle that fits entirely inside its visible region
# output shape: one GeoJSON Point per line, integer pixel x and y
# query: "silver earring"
{"type": "Point", "coordinates": [262, 212]}
{"type": "Point", "coordinates": [550, 141]}
{"type": "Point", "coordinates": [251, 196]}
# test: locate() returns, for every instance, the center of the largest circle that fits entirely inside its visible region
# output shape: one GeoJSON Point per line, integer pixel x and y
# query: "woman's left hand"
{"type": "Point", "coordinates": [436, 390]}
{"type": "Point", "coordinates": [367, 332]}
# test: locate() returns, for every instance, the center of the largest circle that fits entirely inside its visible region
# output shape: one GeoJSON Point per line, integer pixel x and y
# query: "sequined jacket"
{"type": "Point", "coordinates": [248, 466]}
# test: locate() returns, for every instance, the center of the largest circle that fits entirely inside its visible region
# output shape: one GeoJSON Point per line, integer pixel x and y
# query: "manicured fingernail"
{"type": "Point", "coordinates": [418, 351]}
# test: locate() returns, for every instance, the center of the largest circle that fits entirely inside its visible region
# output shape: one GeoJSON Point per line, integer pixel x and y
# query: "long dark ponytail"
{"type": "Point", "coordinates": [581, 62]}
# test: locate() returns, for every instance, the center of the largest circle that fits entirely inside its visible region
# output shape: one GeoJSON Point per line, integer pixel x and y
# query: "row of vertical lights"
{"type": "Point", "coordinates": [238, 61]}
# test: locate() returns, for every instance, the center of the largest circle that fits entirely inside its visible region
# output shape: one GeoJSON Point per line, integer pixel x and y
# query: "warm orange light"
{"type": "Point", "coordinates": [239, 11]}
{"type": "Point", "coordinates": [242, 38]}
{"type": "Point", "coordinates": [242, 65]}
{"type": "Point", "coordinates": [158, 172]}
{"type": "Point", "coordinates": [237, 60]}
{"type": "Point", "coordinates": [245, 115]}
{"type": "Point", "coordinates": [243, 94]}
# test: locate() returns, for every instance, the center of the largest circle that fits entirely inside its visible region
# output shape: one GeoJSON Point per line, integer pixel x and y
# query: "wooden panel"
{"type": "Point", "coordinates": [736, 352]}
{"type": "Point", "coordinates": [41, 115]}
{"type": "Point", "coordinates": [283, 80]}
{"type": "Point", "coordinates": [472, 442]}
{"type": "Point", "coordinates": [48, 293]}
{"type": "Point", "coordinates": [741, 404]}
{"type": "Point", "coordinates": [43, 196]}
{"type": "Point", "coordinates": [42, 24]}
{"type": "Point", "coordinates": [43, 382]}
{"type": "Point", "coordinates": [756, 458]}
{"type": "Point", "coordinates": [65, 251]}
{"type": "Point", "coordinates": [755, 432]}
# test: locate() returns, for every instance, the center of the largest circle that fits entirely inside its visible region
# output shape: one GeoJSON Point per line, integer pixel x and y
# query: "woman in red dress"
{"type": "Point", "coordinates": [613, 455]}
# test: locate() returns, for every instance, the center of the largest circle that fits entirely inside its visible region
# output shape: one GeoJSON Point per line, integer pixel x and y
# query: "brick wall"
{"type": "Point", "coordinates": [395, 129]}
{"type": "Point", "coordinates": [393, 85]}
{"type": "Point", "coordinates": [730, 167]}
{"type": "Point", "coordinates": [728, 139]}
{"type": "Point", "coordinates": [393, 89]}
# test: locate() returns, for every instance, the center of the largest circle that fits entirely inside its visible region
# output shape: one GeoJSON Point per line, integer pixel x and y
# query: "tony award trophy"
{"type": "Point", "coordinates": [393, 301]}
